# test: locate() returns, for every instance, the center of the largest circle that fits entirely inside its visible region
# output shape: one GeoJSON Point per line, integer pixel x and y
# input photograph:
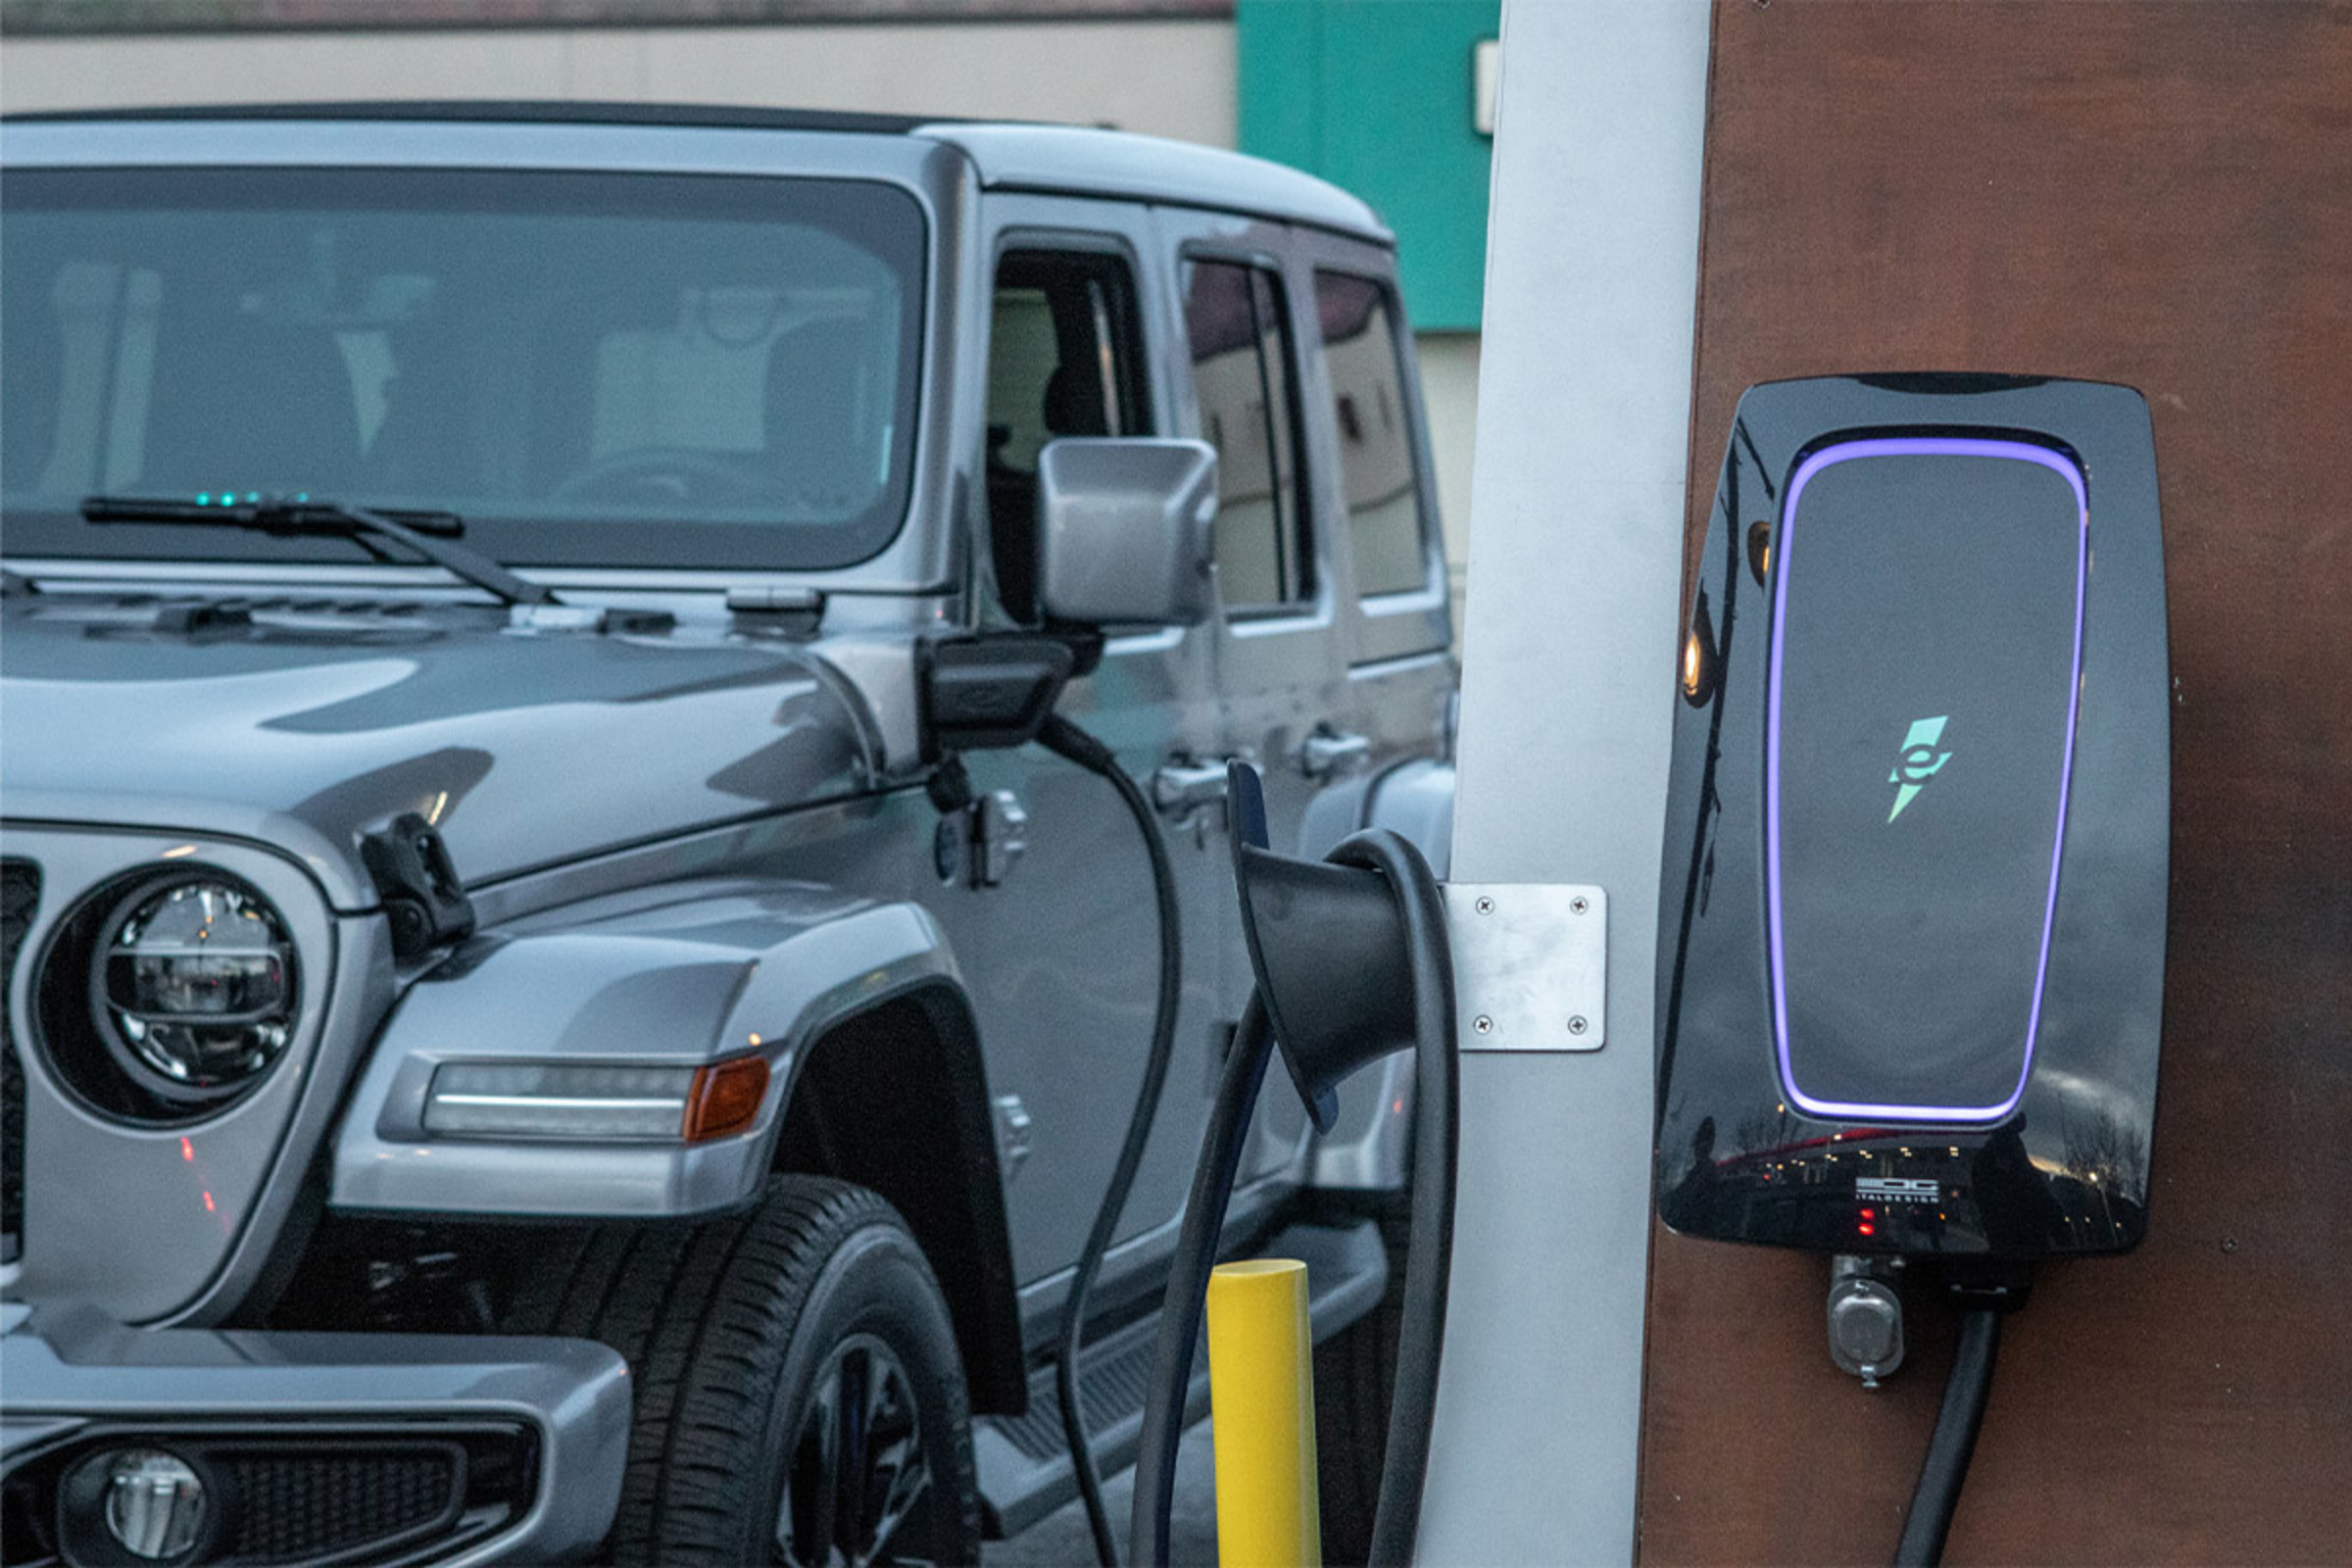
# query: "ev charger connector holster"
{"type": "Point", "coordinates": [1913, 899]}
{"type": "Point", "coordinates": [1329, 951]}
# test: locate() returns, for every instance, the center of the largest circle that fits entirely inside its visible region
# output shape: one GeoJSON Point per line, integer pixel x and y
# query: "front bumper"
{"type": "Point", "coordinates": [526, 1436]}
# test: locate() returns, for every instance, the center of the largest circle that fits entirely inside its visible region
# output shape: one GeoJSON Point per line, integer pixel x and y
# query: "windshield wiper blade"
{"type": "Point", "coordinates": [287, 516]}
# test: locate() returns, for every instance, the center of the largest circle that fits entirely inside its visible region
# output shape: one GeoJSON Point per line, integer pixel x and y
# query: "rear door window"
{"type": "Point", "coordinates": [1241, 353]}
{"type": "Point", "coordinates": [1362, 365]}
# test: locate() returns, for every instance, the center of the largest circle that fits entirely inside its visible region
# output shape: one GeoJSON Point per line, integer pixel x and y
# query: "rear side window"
{"type": "Point", "coordinates": [1361, 365]}
{"type": "Point", "coordinates": [1240, 347]}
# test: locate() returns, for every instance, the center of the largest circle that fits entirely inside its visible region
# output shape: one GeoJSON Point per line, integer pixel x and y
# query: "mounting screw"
{"type": "Point", "coordinates": [1483, 1024]}
{"type": "Point", "coordinates": [1579, 905]}
{"type": "Point", "coordinates": [1575, 1025]}
{"type": "Point", "coordinates": [1485, 906]}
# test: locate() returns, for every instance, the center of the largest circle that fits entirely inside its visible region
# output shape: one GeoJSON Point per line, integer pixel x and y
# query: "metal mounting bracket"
{"type": "Point", "coordinates": [1531, 964]}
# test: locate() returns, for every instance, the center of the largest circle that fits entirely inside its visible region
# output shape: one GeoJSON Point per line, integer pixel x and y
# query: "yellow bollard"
{"type": "Point", "coordinates": [1261, 1399]}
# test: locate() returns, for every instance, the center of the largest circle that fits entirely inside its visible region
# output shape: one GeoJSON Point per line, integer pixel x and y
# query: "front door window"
{"type": "Point", "coordinates": [1063, 360]}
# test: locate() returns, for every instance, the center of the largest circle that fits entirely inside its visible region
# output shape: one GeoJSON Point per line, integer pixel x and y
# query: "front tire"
{"type": "Point", "coordinates": [799, 1395]}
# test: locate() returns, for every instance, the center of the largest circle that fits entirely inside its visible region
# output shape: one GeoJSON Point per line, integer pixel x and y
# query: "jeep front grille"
{"type": "Point", "coordinates": [19, 891]}
{"type": "Point", "coordinates": [297, 1508]}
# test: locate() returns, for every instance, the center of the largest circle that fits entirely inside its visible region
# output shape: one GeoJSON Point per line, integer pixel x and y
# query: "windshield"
{"type": "Point", "coordinates": [591, 368]}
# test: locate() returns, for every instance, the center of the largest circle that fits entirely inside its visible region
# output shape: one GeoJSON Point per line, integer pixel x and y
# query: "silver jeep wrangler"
{"type": "Point", "coordinates": [546, 1014]}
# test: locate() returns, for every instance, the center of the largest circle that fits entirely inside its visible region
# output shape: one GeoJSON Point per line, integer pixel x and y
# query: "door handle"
{"type": "Point", "coordinates": [1182, 787]}
{"type": "Point", "coordinates": [1327, 751]}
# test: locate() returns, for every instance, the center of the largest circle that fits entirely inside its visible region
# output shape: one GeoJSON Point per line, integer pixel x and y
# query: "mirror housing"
{"type": "Point", "coordinates": [1123, 530]}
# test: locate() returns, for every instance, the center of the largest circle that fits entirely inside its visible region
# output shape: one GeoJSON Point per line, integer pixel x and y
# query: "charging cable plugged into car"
{"type": "Point", "coordinates": [996, 689]}
{"type": "Point", "coordinates": [1351, 963]}
{"type": "Point", "coordinates": [1065, 739]}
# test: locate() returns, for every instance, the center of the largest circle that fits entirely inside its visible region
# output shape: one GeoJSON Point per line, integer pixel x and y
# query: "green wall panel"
{"type": "Point", "coordinates": [1376, 95]}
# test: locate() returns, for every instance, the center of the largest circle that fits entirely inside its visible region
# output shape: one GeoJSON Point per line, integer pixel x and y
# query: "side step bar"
{"type": "Point", "coordinates": [1024, 1465]}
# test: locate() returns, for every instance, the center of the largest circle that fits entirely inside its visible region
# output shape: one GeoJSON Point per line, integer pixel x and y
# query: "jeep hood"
{"type": "Point", "coordinates": [310, 727]}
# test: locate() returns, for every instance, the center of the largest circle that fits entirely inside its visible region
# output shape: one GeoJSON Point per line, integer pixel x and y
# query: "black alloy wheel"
{"type": "Point", "coordinates": [857, 1473]}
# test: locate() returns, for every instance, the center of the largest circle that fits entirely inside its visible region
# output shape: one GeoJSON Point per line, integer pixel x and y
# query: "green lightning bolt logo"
{"type": "Point", "coordinates": [1918, 762]}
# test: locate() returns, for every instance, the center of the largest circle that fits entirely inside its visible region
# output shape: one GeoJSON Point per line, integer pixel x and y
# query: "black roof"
{"type": "Point", "coordinates": [539, 111]}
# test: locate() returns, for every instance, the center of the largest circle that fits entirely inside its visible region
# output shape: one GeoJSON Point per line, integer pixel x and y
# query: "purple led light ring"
{"type": "Point", "coordinates": [1943, 447]}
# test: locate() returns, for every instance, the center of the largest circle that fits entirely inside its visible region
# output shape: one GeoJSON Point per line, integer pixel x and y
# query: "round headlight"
{"type": "Point", "coordinates": [192, 986]}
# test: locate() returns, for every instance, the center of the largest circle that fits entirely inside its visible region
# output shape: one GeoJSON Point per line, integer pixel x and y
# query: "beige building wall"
{"type": "Point", "coordinates": [1164, 77]}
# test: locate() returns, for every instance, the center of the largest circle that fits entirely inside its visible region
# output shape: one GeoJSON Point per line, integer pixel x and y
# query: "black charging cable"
{"type": "Point", "coordinates": [1437, 1133]}
{"type": "Point", "coordinates": [1945, 1469]}
{"type": "Point", "coordinates": [1428, 1261]}
{"type": "Point", "coordinates": [1188, 1284]}
{"type": "Point", "coordinates": [1065, 739]}
{"type": "Point", "coordinates": [1984, 1303]}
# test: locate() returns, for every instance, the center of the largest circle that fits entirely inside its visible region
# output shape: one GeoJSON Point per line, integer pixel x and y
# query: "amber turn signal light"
{"type": "Point", "coordinates": [1699, 656]}
{"type": "Point", "coordinates": [726, 1098]}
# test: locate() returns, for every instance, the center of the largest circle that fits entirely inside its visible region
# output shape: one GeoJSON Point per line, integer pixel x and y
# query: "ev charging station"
{"type": "Point", "coordinates": [1840, 952]}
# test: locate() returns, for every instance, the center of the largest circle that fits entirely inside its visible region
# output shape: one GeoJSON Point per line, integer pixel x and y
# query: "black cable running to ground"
{"type": "Point", "coordinates": [1068, 740]}
{"type": "Point", "coordinates": [1428, 1262]}
{"type": "Point", "coordinates": [1945, 1469]}
{"type": "Point", "coordinates": [1187, 1283]}
{"type": "Point", "coordinates": [1414, 1380]}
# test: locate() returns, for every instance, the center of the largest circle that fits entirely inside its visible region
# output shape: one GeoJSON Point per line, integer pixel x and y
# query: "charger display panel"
{"type": "Point", "coordinates": [1918, 737]}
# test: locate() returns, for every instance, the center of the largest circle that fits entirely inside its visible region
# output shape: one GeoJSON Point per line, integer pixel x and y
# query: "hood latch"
{"type": "Point", "coordinates": [423, 899]}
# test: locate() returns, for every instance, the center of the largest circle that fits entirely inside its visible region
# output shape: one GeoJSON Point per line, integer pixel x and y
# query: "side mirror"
{"type": "Point", "coordinates": [1123, 530]}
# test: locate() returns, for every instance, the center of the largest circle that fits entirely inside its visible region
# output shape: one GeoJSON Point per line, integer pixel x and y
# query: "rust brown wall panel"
{"type": "Point", "coordinates": [2157, 194]}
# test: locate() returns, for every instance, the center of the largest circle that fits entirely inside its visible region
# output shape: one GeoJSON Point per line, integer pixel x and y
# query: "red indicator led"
{"type": "Point", "coordinates": [1866, 1228]}
{"type": "Point", "coordinates": [1870, 1213]}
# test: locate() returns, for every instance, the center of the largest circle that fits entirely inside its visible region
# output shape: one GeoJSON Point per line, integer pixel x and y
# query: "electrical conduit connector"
{"type": "Point", "coordinates": [1865, 1316]}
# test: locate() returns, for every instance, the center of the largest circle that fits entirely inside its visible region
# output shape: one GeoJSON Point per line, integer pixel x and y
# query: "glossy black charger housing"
{"type": "Point", "coordinates": [1913, 900]}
